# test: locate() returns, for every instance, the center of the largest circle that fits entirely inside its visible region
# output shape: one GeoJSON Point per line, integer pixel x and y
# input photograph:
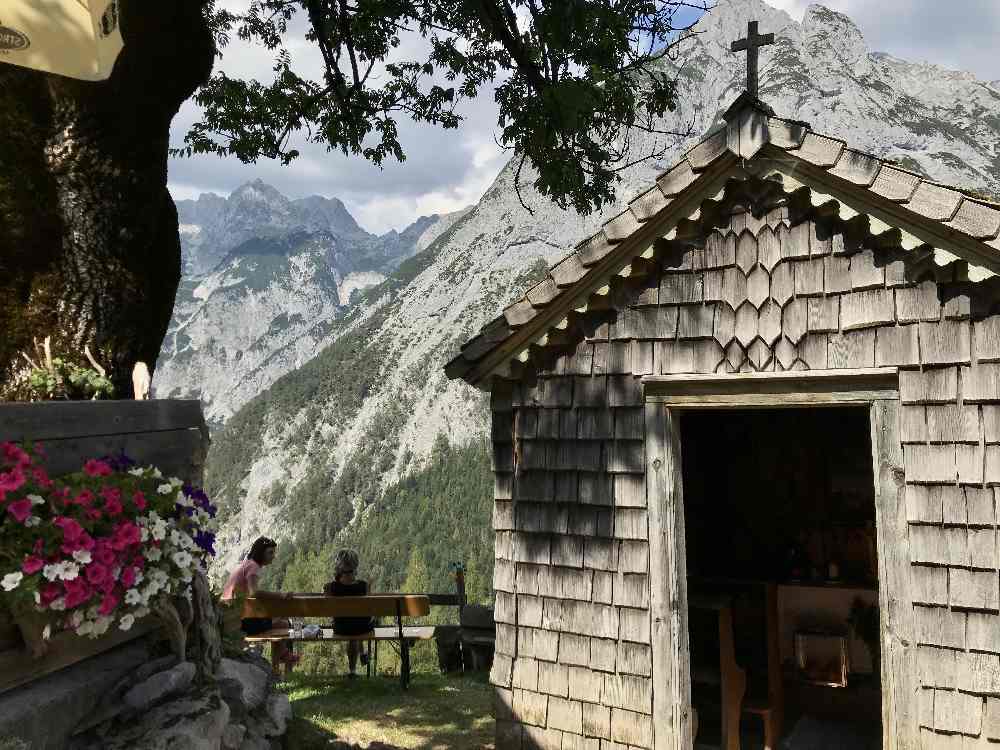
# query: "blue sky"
{"type": "Point", "coordinates": [446, 170]}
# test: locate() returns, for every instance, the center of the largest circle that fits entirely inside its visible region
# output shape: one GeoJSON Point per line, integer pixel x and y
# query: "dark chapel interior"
{"type": "Point", "coordinates": [782, 578]}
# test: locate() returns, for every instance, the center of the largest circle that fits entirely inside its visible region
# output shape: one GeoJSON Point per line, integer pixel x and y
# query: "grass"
{"type": "Point", "coordinates": [438, 712]}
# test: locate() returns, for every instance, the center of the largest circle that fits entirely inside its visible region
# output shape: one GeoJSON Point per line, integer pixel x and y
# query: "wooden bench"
{"type": "Point", "coordinates": [713, 660]}
{"type": "Point", "coordinates": [396, 606]}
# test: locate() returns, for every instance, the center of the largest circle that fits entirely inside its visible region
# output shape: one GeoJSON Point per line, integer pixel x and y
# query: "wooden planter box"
{"type": "Point", "coordinates": [170, 434]}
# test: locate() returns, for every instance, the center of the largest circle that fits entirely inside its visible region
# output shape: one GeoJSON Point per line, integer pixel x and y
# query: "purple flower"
{"type": "Point", "coordinates": [205, 540]}
{"type": "Point", "coordinates": [119, 462]}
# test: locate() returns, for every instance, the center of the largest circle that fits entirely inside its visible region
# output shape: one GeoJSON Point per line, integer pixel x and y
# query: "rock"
{"type": "Point", "coordinates": [159, 686]}
{"type": "Point", "coordinates": [194, 721]}
{"type": "Point", "coordinates": [255, 742]}
{"type": "Point", "coordinates": [279, 712]}
{"type": "Point", "coordinates": [232, 738]}
{"type": "Point", "coordinates": [46, 712]}
{"type": "Point", "coordinates": [252, 681]}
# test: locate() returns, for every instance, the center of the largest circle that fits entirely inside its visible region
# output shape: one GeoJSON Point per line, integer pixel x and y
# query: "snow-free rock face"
{"type": "Point", "coordinates": [378, 395]}
{"type": "Point", "coordinates": [264, 279]}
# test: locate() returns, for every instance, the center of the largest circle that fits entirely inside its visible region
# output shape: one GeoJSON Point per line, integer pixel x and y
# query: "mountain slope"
{"type": "Point", "coordinates": [279, 272]}
{"type": "Point", "coordinates": [314, 458]}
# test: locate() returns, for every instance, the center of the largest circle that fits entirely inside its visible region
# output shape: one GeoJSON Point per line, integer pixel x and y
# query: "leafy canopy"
{"type": "Point", "coordinates": [574, 80]}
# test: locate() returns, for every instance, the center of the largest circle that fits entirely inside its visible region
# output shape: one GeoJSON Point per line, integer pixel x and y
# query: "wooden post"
{"type": "Point", "coordinates": [460, 589]}
{"type": "Point", "coordinates": [404, 651]}
{"type": "Point", "coordinates": [668, 582]}
{"type": "Point", "coordinates": [899, 670]}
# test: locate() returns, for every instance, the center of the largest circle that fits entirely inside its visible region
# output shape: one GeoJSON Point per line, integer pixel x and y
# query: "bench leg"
{"type": "Point", "coordinates": [368, 661]}
{"type": "Point", "coordinates": [404, 662]}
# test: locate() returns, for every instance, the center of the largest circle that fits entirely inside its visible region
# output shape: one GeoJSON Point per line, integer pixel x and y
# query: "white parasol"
{"type": "Point", "coordinates": [75, 38]}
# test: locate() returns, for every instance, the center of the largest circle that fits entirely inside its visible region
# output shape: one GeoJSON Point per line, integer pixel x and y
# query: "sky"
{"type": "Point", "coordinates": [446, 170]}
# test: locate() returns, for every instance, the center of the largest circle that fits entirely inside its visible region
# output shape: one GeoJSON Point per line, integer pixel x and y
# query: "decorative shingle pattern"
{"type": "Point", "coordinates": [976, 220]}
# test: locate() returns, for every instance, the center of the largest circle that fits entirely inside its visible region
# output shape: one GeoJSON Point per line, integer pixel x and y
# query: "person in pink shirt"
{"type": "Point", "coordinates": [245, 580]}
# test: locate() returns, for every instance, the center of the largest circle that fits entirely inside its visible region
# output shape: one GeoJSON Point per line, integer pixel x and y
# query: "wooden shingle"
{"type": "Point", "coordinates": [595, 487]}
{"type": "Point", "coordinates": [603, 654]}
{"type": "Point", "coordinates": [599, 554]}
{"type": "Point", "coordinates": [631, 523]}
{"type": "Point", "coordinates": [953, 509]}
{"type": "Point", "coordinates": [977, 220]}
{"type": "Point", "coordinates": [808, 277]}
{"type": "Point", "coordinates": [935, 201]}
{"type": "Point", "coordinates": [603, 587]}
{"type": "Point", "coordinates": [957, 712]}
{"type": "Point", "coordinates": [866, 309]}
{"type": "Point", "coordinates": [681, 288]}
{"type": "Point", "coordinates": [813, 351]}
{"type": "Point", "coordinates": [953, 423]}
{"type": "Point", "coordinates": [983, 548]}
{"type": "Point", "coordinates": [945, 343]}
{"type": "Point", "coordinates": [930, 585]}
{"type": "Point", "coordinates": [633, 729]}
{"type": "Point", "coordinates": [642, 358]}
{"type": "Point", "coordinates": [720, 250]}
{"type": "Point", "coordinates": [532, 548]}
{"type": "Point", "coordinates": [987, 336]}
{"type": "Point", "coordinates": [630, 490]}
{"type": "Point", "coordinates": [979, 502]}
{"type": "Point", "coordinates": [566, 615]}
{"type": "Point", "coordinates": [929, 544]}
{"type": "Point", "coordinates": [823, 314]}
{"type": "Point", "coordinates": [865, 274]}
{"type": "Point", "coordinates": [836, 274]}
{"type": "Point", "coordinates": [896, 346]}
{"type": "Point", "coordinates": [625, 390]}
{"type": "Point", "coordinates": [620, 356]}
{"type": "Point", "coordinates": [991, 423]}
{"type": "Point", "coordinates": [917, 303]}
{"type": "Point", "coordinates": [992, 469]}
{"type": "Point", "coordinates": [568, 271]}
{"type": "Point", "coordinates": [957, 307]}
{"type": "Point", "coordinates": [981, 382]}
{"type": "Point", "coordinates": [923, 505]}
{"type": "Point", "coordinates": [677, 179]}
{"type": "Point", "coordinates": [634, 625]}
{"type": "Point", "coordinates": [590, 391]}
{"type": "Point", "coordinates": [978, 673]}
{"type": "Point", "coordinates": [567, 551]}
{"type": "Point", "coordinates": [983, 632]}
{"type": "Point", "coordinates": [768, 249]}
{"type": "Point", "coordinates": [857, 167]}
{"type": "Point", "coordinates": [939, 626]}
{"type": "Point", "coordinates": [633, 556]}
{"type": "Point", "coordinates": [695, 321]}
{"type": "Point", "coordinates": [934, 386]}
{"type": "Point", "coordinates": [930, 463]}
{"type": "Point", "coordinates": [895, 184]}
{"type": "Point", "coordinates": [912, 419]}
{"type": "Point", "coordinates": [936, 667]}
{"type": "Point", "coordinates": [972, 589]}
{"type": "Point", "coordinates": [850, 350]}
{"type": "Point", "coordinates": [503, 515]}
{"type": "Point", "coordinates": [795, 243]}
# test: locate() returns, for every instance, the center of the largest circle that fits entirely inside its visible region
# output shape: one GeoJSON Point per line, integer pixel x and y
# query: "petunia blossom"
{"type": "Point", "coordinates": [108, 604]}
{"type": "Point", "coordinates": [32, 564]}
{"type": "Point", "coordinates": [96, 468]}
{"type": "Point", "coordinates": [20, 509]}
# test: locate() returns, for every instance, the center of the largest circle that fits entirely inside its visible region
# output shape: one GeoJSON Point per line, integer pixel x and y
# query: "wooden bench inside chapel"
{"type": "Point", "coordinates": [394, 606]}
{"type": "Point", "coordinates": [739, 653]}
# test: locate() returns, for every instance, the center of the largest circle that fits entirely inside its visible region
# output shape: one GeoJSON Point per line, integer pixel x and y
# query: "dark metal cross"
{"type": "Point", "coordinates": [751, 44]}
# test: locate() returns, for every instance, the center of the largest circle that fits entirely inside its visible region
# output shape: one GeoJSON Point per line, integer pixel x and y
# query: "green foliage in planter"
{"type": "Point", "coordinates": [68, 380]}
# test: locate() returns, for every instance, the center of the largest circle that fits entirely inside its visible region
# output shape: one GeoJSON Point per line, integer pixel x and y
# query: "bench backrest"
{"type": "Point", "coordinates": [319, 605]}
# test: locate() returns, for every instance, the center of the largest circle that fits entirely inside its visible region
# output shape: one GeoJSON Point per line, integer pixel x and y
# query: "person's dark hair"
{"type": "Point", "coordinates": [259, 547]}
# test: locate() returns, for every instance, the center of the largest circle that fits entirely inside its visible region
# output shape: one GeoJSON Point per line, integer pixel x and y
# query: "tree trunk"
{"type": "Point", "coordinates": [89, 249]}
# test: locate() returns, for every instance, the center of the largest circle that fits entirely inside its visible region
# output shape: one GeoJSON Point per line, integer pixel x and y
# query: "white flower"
{"type": "Point", "coordinates": [159, 530]}
{"type": "Point", "coordinates": [51, 572]}
{"type": "Point", "coordinates": [82, 556]}
{"type": "Point", "coordinates": [165, 489]}
{"type": "Point", "coordinates": [11, 581]}
{"type": "Point", "coordinates": [76, 619]}
{"type": "Point", "coordinates": [144, 534]}
{"type": "Point", "coordinates": [176, 482]}
{"type": "Point", "coordinates": [141, 612]}
{"type": "Point", "coordinates": [181, 559]}
{"type": "Point", "coordinates": [92, 612]}
{"type": "Point", "coordinates": [136, 472]}
{"type": "Point", "coordinates": [36, 499]}
{"type": "Point", "coordinates": [69, 571]}
{"type": "Point", "coordinates": [126, 622]}
{"type": "Point", "coordinates": [85, 628]}
{"type": "Point", "coordinates": [101, 625]}
{"type": "Point", "coordinates": [153, 554]}
{"type": "Point", "coordinates": [58, 605]}
{"type": "Point", "coordinates": [32, 521]}
{"type": "Point", "coordinates": [46, 632]}
{"type": "Point", "coordinates": [38, 598]}
{"type": "Point", "coordinates": [156, 472]}
{"type": "Point", "coordinates": [132, 597]}
{"type": "Point", "coordinates": [176, 538]}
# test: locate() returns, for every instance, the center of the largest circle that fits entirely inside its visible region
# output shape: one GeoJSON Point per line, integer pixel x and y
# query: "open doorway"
{"type": "Point", "coordinates": [779, 509]}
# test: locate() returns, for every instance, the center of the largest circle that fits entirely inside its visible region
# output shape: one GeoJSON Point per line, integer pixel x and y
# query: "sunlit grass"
{"type": "Point", "coordinates": [437, 712]}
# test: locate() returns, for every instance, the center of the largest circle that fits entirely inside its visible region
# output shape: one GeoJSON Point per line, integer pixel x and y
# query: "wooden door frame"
{"type": "Point", "coordinates": [666, 396]}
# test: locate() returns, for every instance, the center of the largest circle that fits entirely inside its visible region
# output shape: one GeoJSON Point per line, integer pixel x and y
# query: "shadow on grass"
{"type": "Point", "coordinates": [436, 713]}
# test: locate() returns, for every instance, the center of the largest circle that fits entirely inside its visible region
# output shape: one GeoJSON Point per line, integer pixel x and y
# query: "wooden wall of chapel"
{"type": "Point", "coordinates": [573, 662]}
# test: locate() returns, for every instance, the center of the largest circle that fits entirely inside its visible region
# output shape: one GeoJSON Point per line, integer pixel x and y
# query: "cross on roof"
{"type": "Point", "coordinates": [751, 44]}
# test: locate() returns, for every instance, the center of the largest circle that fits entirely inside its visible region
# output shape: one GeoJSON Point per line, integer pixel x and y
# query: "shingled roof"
{"type": "Point", "coordinates": [888, 204]}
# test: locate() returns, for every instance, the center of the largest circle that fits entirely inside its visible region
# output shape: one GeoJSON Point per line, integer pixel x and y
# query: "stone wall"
{"type": "Point", "coordinates": [759, 294]}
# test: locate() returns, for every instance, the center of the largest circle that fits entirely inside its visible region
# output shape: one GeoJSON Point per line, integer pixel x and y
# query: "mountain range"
{"type": "Point", "coordinates": [349, 446]}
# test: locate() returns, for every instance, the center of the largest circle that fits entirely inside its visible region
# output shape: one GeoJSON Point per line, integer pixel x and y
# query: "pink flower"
{"type": "Point", "coordinates": [11, 480]}
{"type": "Point", "coordinates": [96, 573]}
{"type": "Point", "coordinates": [103, 553]}
{"type": "Point", "coordinates": [38, 546]}
{"type": "Point", "coordinates": [86, 541]}
{"type": "Point", "coordinates": [71, 529]}
{"type": "Point", "coordinates": [84, 499]}
{"type": "Point", "coordinates": [49, 593]}
{"type": "Point", "coordinates": [108, 604]}
{"type": "Point", "coordinates": [20, 509]}
{"type": "Point", "coordinates": [139, 562]}
{"type": "Point", "coordinates": [41, 477]}
{"type": "Point", "coordinates": [128, 577]}
{"type": "Point", "coordinates": [15, 455]}
{"type": "Point", "coordinates": [140, 500]}
{"type": "Point", "coordinates": [93, 514]}
{"type": "Point", "coordinates": [32, 564]}
{"type": "Point", "coordinates": [95, 468]}
{"type": "Point", "coordinates": [126, 533]}
{"type": "Point", "coordinates": [77, 592]}
{"type": "Point", "coordinates": [113, 507]}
